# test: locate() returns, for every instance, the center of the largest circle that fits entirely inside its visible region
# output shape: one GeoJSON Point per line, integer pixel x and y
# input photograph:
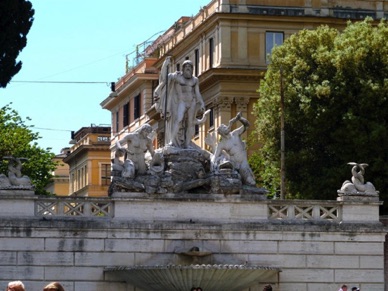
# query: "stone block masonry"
{"type": "Point", "coordinates": [312, 252]}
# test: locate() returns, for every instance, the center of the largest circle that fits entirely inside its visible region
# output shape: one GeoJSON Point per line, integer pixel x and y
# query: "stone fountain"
{"type": "Point", "coordinates": [185, 172]}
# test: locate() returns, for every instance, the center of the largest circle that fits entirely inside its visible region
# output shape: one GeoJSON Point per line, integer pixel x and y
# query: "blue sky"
{"type": "Point", "coordinates": [82, 41]}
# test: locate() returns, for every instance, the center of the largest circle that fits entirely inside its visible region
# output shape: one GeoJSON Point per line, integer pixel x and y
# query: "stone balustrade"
{"type": "Point", "coordinates": [305, 210]}
{"type": "Point", "coordinates": [201, 207]}
{"type": "Point", "coordinates": [74, 206]}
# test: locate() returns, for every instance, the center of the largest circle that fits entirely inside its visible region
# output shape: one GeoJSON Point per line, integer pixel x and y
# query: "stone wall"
{"type": "Point", "coordinates": [384, 220]}
{"type": "Point", "coordinates": [316, 245]}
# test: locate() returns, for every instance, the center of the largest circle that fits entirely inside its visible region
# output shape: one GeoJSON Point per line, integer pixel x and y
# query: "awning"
{"type": "Point", "coordinates": [183, 278]}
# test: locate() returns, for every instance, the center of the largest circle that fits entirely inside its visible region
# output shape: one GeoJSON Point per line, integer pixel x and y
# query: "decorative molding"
{"type": "Point", "coordinates": [242, 103]}
{"type": "Point", "coordinates": [223, 102]}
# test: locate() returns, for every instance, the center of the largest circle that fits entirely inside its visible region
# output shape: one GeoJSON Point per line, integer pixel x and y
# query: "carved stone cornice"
{"type": "Point", "coordinates": [217, 75]}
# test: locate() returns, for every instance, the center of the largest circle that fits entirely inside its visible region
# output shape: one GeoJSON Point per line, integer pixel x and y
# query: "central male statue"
{"type": "Point", "coordinates": [178, 100]}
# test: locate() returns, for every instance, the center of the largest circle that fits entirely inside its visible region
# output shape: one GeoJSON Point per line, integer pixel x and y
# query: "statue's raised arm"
{"type": "Point", "coordinates": [232, 144]}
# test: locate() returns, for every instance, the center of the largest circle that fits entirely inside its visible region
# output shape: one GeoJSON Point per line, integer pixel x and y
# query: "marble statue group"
{"type": "Point", "coordinates": [181, 166]}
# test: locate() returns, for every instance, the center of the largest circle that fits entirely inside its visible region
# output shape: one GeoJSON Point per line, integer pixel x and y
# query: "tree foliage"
{"type": "Point", "coordinates": [336, 109]}
{"type": "Point", "coordinates": [16, 17]}
{"type": "Point", "coordinates": [18, 140]}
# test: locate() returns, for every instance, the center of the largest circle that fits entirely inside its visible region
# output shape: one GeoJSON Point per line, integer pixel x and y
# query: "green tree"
{"type": "Point", "coordinates": [16, 17]}
{"type": "Point", "coordinates": [336, 109]}
{"type": "Point", "coordinates": [19, 141]}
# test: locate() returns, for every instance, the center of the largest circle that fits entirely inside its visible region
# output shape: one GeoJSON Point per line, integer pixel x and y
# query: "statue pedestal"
{"type": "Point", "coordinates": [359, 196]}
{"type": "Point", "coordinates": [16, 202]}
{"type": "Point", "coordinates": [359, 207]}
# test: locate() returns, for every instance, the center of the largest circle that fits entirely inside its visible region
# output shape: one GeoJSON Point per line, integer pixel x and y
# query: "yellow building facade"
{"type": "Point", "coordinates": [228, 42]}
{"type": "Point", "coordinates": [89, 162]}
{"type": "Point", "coordinates": [59, 184]}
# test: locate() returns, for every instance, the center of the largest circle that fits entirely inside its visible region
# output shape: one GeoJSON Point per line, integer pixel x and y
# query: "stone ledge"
{"type": "Point", "coordinates": [66, 224]}
{"type": "Point", "coordinates": [189, 197]}
{"type": "Point", "coordinates": [359, 196]}
{"type": "Point", "coordinates": [17, 191]}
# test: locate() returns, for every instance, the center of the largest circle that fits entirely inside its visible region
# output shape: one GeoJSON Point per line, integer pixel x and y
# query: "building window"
{"type": "Point", "coordinates": [117, 121]}
{"type": "Point", "coordinates": [178, 67]}
{"type": "Point", "coordinates": [196, 60]}
{"type": "Point", "coordinates": [211, 117]}
{"type": "Point", "coordinates": [211, 53]}
{"type": "Point", "coordinates": [103, 138]}
{"type": "Point", "coordinates": [82, 184]}
{"type": "Point", "coordinates": [126, 114]}
{"type": "Point", "coordinates": [78, 180]}
{"type": "Point", "coordinates": [136, 107]}
{"type": "Point", "coordinates": [72, 183]}
{"type": "Point", "coordinates": [85, 177]}
{"type": "Point", "coordinates": [105, 174]}
{"type": "Point", "coordinates": [272, 39]}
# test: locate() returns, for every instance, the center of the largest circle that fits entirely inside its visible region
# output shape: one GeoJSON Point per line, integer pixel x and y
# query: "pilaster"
{"type": "Point", "coordinates": [223, 106]}
{"type": "Point", "coordinates": [224, 6]}
{"type": "Point", "coordinates": [379, 9]}
{"type": "Point", "coordinates": [225, 46]}
{"type": "Point", "coordinates": [243, 41]}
